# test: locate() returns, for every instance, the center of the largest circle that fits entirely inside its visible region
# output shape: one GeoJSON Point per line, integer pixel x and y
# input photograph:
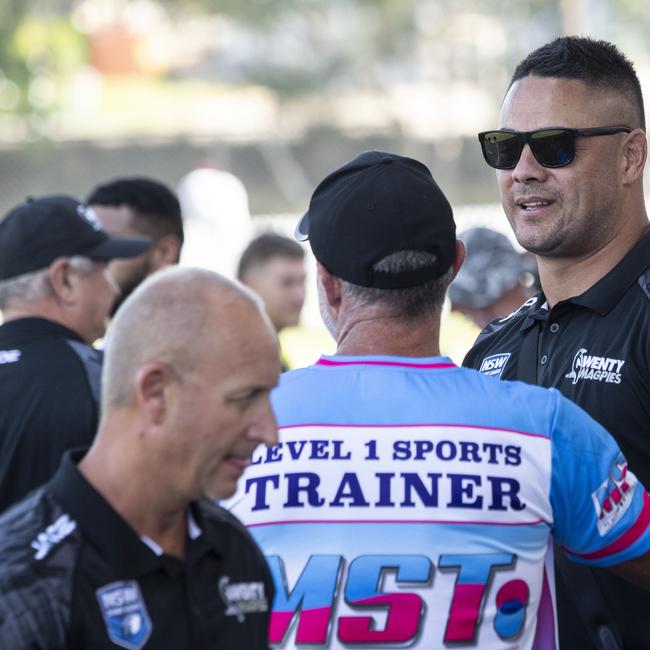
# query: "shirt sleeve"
{"type": "Point", "coordinates": [601, 512]}
{"type": "Point", "coordinates": [29, 619]}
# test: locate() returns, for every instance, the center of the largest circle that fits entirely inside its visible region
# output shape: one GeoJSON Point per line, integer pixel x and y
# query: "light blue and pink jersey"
{"type": "Point", "coordinates": [411, 503]}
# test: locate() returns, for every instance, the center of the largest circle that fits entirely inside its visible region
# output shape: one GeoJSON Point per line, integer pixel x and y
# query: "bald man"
{"type": "Point", "coordinates": [120, 546]}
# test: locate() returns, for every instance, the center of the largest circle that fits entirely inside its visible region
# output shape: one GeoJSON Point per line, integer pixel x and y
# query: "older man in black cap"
{"type": "Point", "coordinates": [411, 502]}
{"type": "Point", "coordinates": [55, 296]}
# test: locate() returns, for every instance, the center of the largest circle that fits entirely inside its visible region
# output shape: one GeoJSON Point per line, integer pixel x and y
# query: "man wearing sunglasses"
{"type": "Point", "coordinates": [569, 153]}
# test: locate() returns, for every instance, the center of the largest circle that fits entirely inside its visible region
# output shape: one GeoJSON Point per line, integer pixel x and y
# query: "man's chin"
{"type": "Point", "coordinates": [221, 493]}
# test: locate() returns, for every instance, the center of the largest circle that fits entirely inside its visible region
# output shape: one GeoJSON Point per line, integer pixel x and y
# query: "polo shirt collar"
{"type": "Point", "coordinates": [603, 296]}
{"type": "Point", "coordinates": [104, 528]}
{"type": "Point", "coordinates": [32, 327]}
{"type": "Point", "coordinates": [193, 532]}
{"type": "Point", "coordinates": [606, 293]}
{"type": "Point", "coordinates": [538, 311]}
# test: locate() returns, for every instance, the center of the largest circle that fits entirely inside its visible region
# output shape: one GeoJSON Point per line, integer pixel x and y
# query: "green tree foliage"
{"type": "Point", "coordinates": [14, 72]}
{"type": "Point", "coordinates": [37, 53]}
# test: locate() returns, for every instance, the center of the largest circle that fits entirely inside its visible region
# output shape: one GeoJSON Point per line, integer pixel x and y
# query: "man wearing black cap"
{"type": "Point", "coordinates": [55, 297]}
{"type": "Point", "coordinates": [410, 501]}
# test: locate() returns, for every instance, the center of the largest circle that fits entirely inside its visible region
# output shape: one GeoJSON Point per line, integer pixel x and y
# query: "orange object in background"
{"type": "Point", "coordinates": [113, 50]}
{"type": "Point", "coordinates": [118, 50]}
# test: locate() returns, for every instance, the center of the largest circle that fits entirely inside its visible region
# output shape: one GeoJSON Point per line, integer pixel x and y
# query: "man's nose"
{"type": "Point", "coordinates": [528, 168]}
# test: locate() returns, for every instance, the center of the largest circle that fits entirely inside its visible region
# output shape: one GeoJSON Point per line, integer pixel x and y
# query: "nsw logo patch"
{"type": "Point", "coordinates": [127, 621]}
{"type": "Point", "coordinates": [494, 364]}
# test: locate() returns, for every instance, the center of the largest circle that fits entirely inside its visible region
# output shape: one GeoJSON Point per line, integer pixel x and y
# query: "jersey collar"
{"type": "Point", "coordinates": [26, 329]}
{"type": "Point", "coordinates": [105, 529]}
{"type": "Point", "coordinates": [422, 363]}
{"type": "Point", "coordinates": [607, 292]}
{"type": "Point", "coordinates": [603, 296]}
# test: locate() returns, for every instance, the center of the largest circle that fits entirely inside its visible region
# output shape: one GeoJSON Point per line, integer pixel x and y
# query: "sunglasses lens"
{"type": "Point", "coordinates": [553, 147]}
{"type": "Point", "coordinates": [501, 149]}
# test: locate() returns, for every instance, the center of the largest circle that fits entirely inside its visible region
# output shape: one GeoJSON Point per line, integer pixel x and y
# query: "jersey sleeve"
{"type": "Point", "coordinates": [29, 621]}
{"type": "Point", "coordinates": [601, 512]}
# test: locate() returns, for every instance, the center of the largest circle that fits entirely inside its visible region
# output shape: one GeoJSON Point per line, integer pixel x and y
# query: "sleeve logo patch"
{"type": "Point", "coordinates": [52, 535]}
{"type": "Point", "coordinates": [614, 495]}
{"type": "Point", "coordinates": [494, 365]}
{"type": "Point", "coordinates": [242, 598]}
{"type": "Point", "coordinates": [127, 621]}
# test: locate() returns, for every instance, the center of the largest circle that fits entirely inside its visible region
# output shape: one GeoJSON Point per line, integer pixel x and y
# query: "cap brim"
{"type": "Point", "coordinates": [117, 247]}
{"type": "Point", "coordinates": [301, 232]}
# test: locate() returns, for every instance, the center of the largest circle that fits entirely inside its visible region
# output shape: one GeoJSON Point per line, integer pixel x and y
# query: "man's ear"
{"type": "Point", "coordinates": [331, 286]}
{"type": "Point", "coordinates": [165, 251]}
{"type": "Point", "coordinates": [152, 383]}
{"type": "Point", "coordinates": [63, 280]}
{"type": "Point", "coordinates": [461, 252]}
{"type": "Point", "coordinates": [634, 156]}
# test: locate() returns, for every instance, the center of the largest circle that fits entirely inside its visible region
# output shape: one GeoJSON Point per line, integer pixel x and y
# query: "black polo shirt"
{"type": "Point", "coordinates": [594, 348]}
{"type": "Point", "coordinates": [75, 573]}
{"type": "Point", "coordinates": [49, 389]}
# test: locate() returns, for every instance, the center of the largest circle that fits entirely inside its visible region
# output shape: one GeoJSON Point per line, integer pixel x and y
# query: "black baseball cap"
{"type": "Point", "coordinates": [38, 231]}
{"type": "Point", "coordinates": [377, 204]}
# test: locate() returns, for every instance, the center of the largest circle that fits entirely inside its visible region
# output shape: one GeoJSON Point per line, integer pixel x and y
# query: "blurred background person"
{"type": "Point", "coordinates": [139, 206]}
{"type": "Point", "coordinates": [146, 87]}
{"type": "Point", "coordinates": [273, 266]}
{"type": "Point", "coordinates": [218, 223]}
{"type": "Point", "coordinates": [55, 294]}
{"type": "Point", "coordinates": [495, 279]}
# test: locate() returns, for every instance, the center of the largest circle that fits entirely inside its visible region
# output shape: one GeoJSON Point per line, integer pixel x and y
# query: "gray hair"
{"type": "Point", "coordinates": [411, 303]}
{"type": "Point", "coordinates": [163, 321]}
{"type": "Point", "coordinates": [35, 285]}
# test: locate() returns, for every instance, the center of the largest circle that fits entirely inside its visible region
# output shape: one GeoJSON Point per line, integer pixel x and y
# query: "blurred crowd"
{"type": "Point", "coordinates": [146, 353]}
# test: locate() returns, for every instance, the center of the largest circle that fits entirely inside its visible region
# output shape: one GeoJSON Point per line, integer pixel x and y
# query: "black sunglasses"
{"type": "Point", "coordinates": [553, 147]}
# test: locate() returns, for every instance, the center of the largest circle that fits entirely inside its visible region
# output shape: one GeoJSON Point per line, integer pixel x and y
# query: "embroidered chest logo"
{"type": "Point", "coordinates": [614, 496]}
{"type": "Point", "coordinates": [494, 365]}
{"type": "Point", "coordinates": [242, 598]}
{"type": "Point", "coordinates": [127, 621]}
{"type": "Point", "coordinates": [590, 367]}
{"type": "Point", "coordinates": [9, 356]}
{"type": "Point", "coordinates": [52, 535]}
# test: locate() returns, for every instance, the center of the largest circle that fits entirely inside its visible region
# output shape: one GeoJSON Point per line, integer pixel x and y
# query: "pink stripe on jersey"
{"type": "Point", "coordinates": [445, 522]}
{"type": "Point", "coordinates": [626, 539]}
{"type": "Point", "coordinates": [408, 426]}
{"type": "Point", "coordinates": [396, 364]}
